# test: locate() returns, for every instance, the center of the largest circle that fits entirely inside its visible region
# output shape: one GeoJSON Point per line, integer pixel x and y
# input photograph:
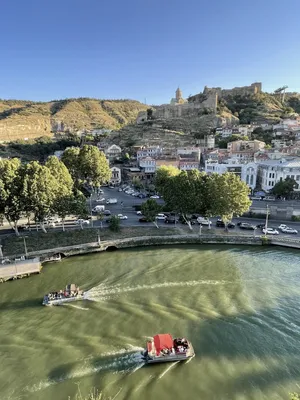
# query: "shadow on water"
{"type": "Point", "coordinates": [265, 343]}
{"type": "Point", "coordinates": [20, 305]}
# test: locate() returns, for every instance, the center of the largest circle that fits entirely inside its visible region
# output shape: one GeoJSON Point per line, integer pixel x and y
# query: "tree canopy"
{"type": "Point", "coordinates": [150, 209]}
{"type": "Point", "coordinates": [284, 188]}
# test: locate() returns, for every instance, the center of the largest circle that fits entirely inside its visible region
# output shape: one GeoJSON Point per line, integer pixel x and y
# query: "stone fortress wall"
{"type": "Point", "coordinates": [254, 88]}
{"type": "Point", "coordinates": [195, 105]}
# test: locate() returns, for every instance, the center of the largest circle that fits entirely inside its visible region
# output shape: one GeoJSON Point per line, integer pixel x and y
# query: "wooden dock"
{"type": "Point", "coordinates": [19, 269]}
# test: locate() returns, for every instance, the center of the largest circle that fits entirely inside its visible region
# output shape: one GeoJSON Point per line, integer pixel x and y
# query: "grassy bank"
{"type": "Point", "coordinates": [13, 245]}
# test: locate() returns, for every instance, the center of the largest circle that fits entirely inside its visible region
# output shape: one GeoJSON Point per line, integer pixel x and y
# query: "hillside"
{"type": "Point", "coordinates": [259, 108]}
{"type": "Point", "coordinates": [26, 119]}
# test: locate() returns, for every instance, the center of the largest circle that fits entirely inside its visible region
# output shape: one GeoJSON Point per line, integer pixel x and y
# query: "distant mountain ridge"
{"type": "Point", "coordinates": [20, 119]}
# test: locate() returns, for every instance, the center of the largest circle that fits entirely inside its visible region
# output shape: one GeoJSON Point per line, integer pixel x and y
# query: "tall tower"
{"type": "Point", "coordinates": [178, 95]}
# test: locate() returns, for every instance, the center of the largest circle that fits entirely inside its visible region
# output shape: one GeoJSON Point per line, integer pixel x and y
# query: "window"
{"type": "Point", "coordinates": [269, 183]}
{"type": "Point", "coordinates": [298, 178]}
{"type": "Point", "coordinates": [288, 176]}
{"type": "Point", "coordinates": [292, 176]}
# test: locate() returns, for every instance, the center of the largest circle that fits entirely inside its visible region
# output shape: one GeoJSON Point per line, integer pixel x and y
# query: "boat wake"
{"type": "Point", "coordinates": [122, 361]}
{"type": "Point", "coordinates": [75, 306]}
{"type": "Point", "coordinates": [103, 292]}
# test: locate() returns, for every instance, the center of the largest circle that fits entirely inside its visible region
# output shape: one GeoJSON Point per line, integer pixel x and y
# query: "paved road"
{"type": "Point", "coordinates": [133, 219]}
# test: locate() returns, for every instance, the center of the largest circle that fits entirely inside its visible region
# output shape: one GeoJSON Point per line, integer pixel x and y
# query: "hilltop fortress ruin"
{"type": "Point", "coordinates": [205, 102]}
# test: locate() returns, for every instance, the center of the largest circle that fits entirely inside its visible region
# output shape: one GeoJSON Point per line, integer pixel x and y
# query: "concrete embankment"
{"type": "Point", "coordinates": [147, 241]}
{"type": "Point", "coordinates": [19, 269]}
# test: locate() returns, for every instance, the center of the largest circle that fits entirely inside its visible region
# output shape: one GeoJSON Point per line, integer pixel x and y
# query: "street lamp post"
{"type": "Point", "coordinates": [91, 208]}
{"type": "Point", "coordinates": [1, 253]}
{"type": "Point", "coordinates": [25, 247]}
{"type": "Point", "coordinates": [200, 229]}
{"type": "Point", "coordinates": [98, 237]}
{"type": "Point", "coordinates": [267, 218]}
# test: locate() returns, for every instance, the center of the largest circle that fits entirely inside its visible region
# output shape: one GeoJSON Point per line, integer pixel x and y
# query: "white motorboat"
{"type": "Point", "coordinates": [163, 348]}
{"type": "Point", "coordinates": [69, 294]}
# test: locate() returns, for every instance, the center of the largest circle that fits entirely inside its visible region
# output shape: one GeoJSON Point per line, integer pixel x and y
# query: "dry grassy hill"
{"type": "Point", "coordinates": [26, 119]}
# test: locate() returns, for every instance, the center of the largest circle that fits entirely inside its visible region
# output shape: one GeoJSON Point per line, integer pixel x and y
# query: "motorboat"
{"type": "Point", "coordinates": [69, 294]}
{"type": "Point", "coordinates": [163, 348]}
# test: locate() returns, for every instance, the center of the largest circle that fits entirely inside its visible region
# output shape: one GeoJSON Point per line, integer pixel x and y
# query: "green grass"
{"type": "Point", "coordinates": [13, 245]}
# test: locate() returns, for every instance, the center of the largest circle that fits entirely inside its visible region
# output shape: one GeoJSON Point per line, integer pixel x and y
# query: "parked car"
{"type": "Point", "coordinates": [120, 190]}
{"type": "Point", "coordinates": [247, 226]}
{"type": "Point", "coordinates": [100, 199]}
{"type": "Point", "coordinates": [82, 221]}
{"type": "Point", "coordinates": [139, 213]}
{"type": "Point", "coordinates": [204, 221]}
{"type": "Point", "coordinates": [106, 212]}
{"type": "Point", "coordinates": [121, 216]}
{"type": "Point", "coordinates": [221, 224]}
{"type": "Point", "coordinates": [155, 196]}
{"type": "Point", "coordinates": [142, 195]}
{"type": "Point", "coordinates": [161, 216]}
{"type": "Point", "coordinates": [269, 198]}
{"type": "Point", "coordinates": [270, 231]}
{"type": "Point", "coordinates": [289, 230]}
{"type": "Point", "coordinates": [261, 226]}
{"type": "Point", "coordinates": [282, 226]}
{"type": "Point", "coordinates": [171, 220]}
{"type": "Point", "coordinates": [143, 219]}
{"type": "Point", "coordinates": [100, 191]}
{"type": "Point", "coordinates": [183, 221]}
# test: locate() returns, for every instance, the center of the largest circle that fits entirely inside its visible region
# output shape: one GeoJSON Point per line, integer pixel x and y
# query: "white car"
{"type": "Point", "coordinates": [203, 221]}
{"type": "Point", "coordinates": [121, 216]}
{"type": "Point", "coordinates": [120, 190]}
{"type": "Point", "coordinates": [270, 231]}
{"type": "Point", "coordinates": [81, 221]}
{"type": "Point", "coordinates": [161, 216]}
{"type": "Point", "coordinates": [282, 226]}
{"type": "Point", "coordinates": [100, 200]}
{"type": "Point", "coordinates": [289, 230]}
{"type": "Point", "coordinates": [139, 213]}
{"type": "Point", "coordinates": [155, 196]}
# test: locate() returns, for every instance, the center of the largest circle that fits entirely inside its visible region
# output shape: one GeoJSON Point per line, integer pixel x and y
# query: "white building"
{"type": "Point", "coordinates": [113, 152]}
{"type": "Point", "coordinates": [115, 176]}
{"type": "Point", "coordinates": [151, 151]}
{"type": "Point", "coordinates": [226, 132]}
{"type": "Point", "coordinates": [247, 172]}
{"type": "Point", "coordinates": [273, 171]}
{"type": "Point", "coordinates": [148, 165]}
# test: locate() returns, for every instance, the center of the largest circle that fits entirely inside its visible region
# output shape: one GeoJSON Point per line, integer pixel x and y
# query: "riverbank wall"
{"type": "Point", "coordinates": [110, 245]}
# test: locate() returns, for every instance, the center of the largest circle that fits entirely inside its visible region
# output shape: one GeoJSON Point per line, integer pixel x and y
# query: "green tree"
{"type": "Point", "coordinates": [64, 206]}
{"type": "Point", "coordinates": [284, 188]}
{"type": "Point", "coordinates": [150, 209]}
{"type": "Point", "coordinates": [227, 195]}
{"type": "Point", "coordinates": [162, 176]}
{"type": "Point", "coordinates": [70, 158]}
{"type": "Point", "coordinates": [185, 193]}
{"type": "Point", "coordinates": [61, 174]}
{"type": "Point", "coordinates": [10, 202]}
{"type": "Point", "coordinates": [39, 190]}
{"type": "Point", "coordinates": [93, 165]}
{"type": "Point", "coordinates": [137, 183]}
{"type": "Point", "coordinates": [114, 223]}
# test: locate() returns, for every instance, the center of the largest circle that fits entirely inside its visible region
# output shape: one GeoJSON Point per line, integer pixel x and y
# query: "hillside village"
{"type": "Point", "coordinates": [259, 141]}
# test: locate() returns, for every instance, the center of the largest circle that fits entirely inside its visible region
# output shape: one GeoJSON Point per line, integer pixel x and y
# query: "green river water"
{"type": "Point", "coordinates": [239, 306]}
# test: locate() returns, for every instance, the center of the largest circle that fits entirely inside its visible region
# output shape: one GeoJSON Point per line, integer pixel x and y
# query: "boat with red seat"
{"type": "Point", "coordinates": [163, 348]}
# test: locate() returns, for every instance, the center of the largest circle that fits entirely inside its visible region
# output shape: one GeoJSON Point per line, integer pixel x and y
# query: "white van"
{"type": "Point", "coordinates": [98, 209]}
{"type": "Point", "coordinates": [203, 221]}
{"type": "Point", "coordinates": [111, 201]}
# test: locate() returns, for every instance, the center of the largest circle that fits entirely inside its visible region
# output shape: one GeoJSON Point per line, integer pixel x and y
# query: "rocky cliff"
{"type": "Point", "coordinates": [25, 119]}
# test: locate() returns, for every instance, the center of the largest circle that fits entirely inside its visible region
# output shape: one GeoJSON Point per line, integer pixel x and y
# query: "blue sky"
{"type": "Point", "coordinates": [144, 49]}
